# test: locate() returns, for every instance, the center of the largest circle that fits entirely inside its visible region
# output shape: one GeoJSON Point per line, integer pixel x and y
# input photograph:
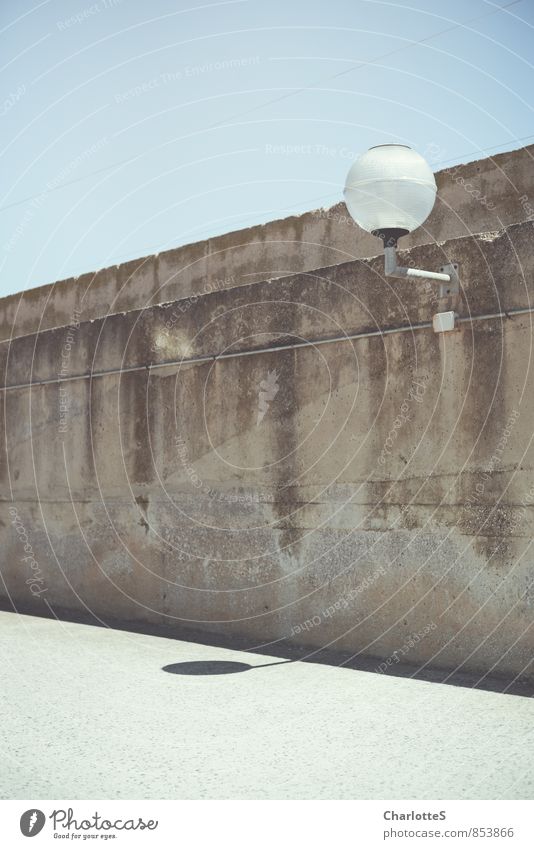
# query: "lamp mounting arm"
{"type": "Point", "coordinates": [447, 275]}
{"type": "Point", "coordinates": [393, 270]}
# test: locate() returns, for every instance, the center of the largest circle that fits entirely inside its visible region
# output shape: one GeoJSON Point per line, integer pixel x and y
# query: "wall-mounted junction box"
{"type": "Point", "coordinates": [442, 322]}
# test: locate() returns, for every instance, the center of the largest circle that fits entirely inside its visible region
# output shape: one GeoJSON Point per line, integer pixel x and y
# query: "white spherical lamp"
{"type": "Point", "coordinates": [390, 191]}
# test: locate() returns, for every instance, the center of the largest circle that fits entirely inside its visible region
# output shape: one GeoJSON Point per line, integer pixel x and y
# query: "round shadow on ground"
{"type": "Point", "coordinates": [206, 667]}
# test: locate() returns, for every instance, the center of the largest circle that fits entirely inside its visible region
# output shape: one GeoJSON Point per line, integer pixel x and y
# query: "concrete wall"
{"type": "Point", "coordinates": [478, 197]}
{"type": "Point", "coordinates": [373, 496]}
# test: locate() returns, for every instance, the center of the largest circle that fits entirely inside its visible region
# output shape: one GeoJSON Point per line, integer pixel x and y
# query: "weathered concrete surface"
{"type": "Point", "coordinates": [379, 501]}
{"type": "Point", "coordinates": [275, 731]}
{"type": "Point", "coordinates": [480, 196]}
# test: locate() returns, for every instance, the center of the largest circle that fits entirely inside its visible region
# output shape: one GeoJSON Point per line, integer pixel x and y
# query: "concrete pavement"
{"type": "Point", "coordinates": [90, 713]}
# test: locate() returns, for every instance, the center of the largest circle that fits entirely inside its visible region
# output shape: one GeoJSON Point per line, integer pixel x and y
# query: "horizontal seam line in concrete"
{"type": "Point", "coordinates": [118, 499]}
{"type": "Point", "coordinates": [410, 328]}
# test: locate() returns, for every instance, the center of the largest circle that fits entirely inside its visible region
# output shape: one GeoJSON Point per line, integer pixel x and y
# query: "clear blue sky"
{"type": "Point", "coordinates": [131, 127]}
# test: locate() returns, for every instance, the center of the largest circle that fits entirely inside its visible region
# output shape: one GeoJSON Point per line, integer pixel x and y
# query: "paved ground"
{"type": "Point", "coordinates": [89, 713]}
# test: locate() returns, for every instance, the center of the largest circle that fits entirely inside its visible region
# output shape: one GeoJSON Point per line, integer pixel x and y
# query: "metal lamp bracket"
{"type": "Point", "coordinates": [447, 275]}
{"type": "Point", "coordinates": [452, 287]}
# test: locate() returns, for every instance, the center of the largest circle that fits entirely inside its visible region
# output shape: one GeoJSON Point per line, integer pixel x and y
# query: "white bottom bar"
{"type": "Point", "coordinates": [265, 824]}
